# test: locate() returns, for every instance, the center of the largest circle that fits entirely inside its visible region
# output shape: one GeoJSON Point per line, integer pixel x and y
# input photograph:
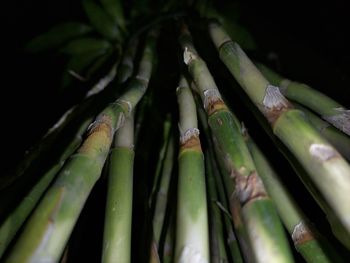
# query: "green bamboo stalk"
{"type": "Point", "coordinates": [48, 229]}
{"type": "Point", "coordinates": [118, 216]}
{"type": "Point", "coordinates": [162, 193]}
{"type": "Point", "coordinates": [217, 243]}
{"type": "Point", "coordinates": [192, 237]}
{"type": "Point", "coordinates": [338, 139]}
{"type": "Point", "coordinates": [307, 240]}
{"type": "Point", "coordinates": [326, 167]}
{"type": "Point", "coordinates": [220, 174]}
{"type": "Point", "coordinates": [160, 163]}
{"type": "Point", "coordinates": [168, 246]}
{"type": "Point", "coordinates": [330, 110]}
{"type": "Point", "coordinates": [249, 201]}
{"type": "Point", "coordinates": [15, 219]}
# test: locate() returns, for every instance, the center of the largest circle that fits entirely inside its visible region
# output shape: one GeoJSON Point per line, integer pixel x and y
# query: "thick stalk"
{"type": "Point", "coordinates": [329, 109]}
{"type": "Point", "coordinates": [192, 237]}
{"type": "Point", "coordinates": [307, 240]}
{"type": "Point", "coordinates": [48, 229]}
{"type": "Point", "coordinates": [219, 174]}
{"type": "Point", "coordinates": [15, 219]}
{"type": "Point", "coordinates": [118, 216]}
{"type": "Point", "coordinates": [249, 200]}
{"type": "Point", "coordinates": [326, 167]}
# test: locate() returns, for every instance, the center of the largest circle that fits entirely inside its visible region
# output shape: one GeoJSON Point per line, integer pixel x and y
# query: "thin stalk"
{"type": "Point", "coordinates": [249, 201]}
{"type": "Point", "coordinates": [168, 246]}
{"type": "Point", "coordinates": [326, 167]}
{"type": "Point", "coordinates": [160, 163]}
{"type": "Point", "coordinates": [338, 139]}
{"type": "Point", "coordinates": [117, 228]}
{"type": "Point", "coordinates": [48, 229]}
{"type": "Point", "coordinates": [192, 237]}
{"type": "Point", "coordinates": [162, 193]}
{"type": "Point", "coordinates": [217, 243]}
{"type": "Point", "coordinates": [330, 110]}
{"type": "Point", "coordinates": [307, 240]}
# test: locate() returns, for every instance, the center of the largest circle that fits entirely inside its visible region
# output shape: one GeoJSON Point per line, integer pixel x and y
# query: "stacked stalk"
{"type": "Point", "coordinates": [159, 195]}
{"type": "Point", "coordinates": [306, 239]}
{"type": "Point", "coordinates": [329, 109]}
{"type": "Point", "coordinates": [325, 166]}
{"type": "Point", "coordinates": [192, 237]}
{"type": "Point", "coordinates": [118, 216]}
{"type": "Point", "coordinates": [16, 218]}
{"type": "Point", "coordinates": [48, 229]}
{"type": "Point", "coordinates": [252, 210]}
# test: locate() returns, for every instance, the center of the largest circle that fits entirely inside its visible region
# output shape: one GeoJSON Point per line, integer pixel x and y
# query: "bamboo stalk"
{"type": "Point", "coordinates": [220, 174]}
{"type": "Point", "coordinates": [330, 110]}
{"type": "Point", "coordinates": [306, 238]}
{"type": "Point", "coordinates": [162, 193]}
{"type": "Point", "coordinates": [327, 169]}
{"type": "Point", "coordinates": [249, 201]}
{"type": "Point", "coordinates": [118, 216]}
{"type": "Point", "coordinates": [192, 237]}
{"type": "Point", "coordinates": [49, 228]}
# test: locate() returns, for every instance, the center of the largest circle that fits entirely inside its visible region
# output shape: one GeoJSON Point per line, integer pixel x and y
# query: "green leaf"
{"type": "Point", "coordinates": [57, 36]}
{"type": "Point", "coordinates": [101, 20]}
{"type": "Point", "coordinates": [115, 9]}
{"type": "Point", "coordinates": [85, 45]}
{"type": "Point", "coordinates": [77, 64]}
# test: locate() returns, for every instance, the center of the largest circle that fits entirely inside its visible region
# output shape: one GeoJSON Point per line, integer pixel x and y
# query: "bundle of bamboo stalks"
{"type": "Point", "coordinates": [173, 172]}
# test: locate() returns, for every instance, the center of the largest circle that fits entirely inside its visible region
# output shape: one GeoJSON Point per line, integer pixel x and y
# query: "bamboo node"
{"type": "Point", "coordinates": [274, 103]}
{"type": "Point", "coordinates": [248, 188]}
{"type": "Point", "coordinates": [188, 56]}
{"type": "Point", "coordinates": [340, 120]}
{"type": "Point", "coordinates": [322, 152]}
{"type": "Point", "coordinates": [213, 101]}
{"type": "Point", "coordinates": [187, 135]}
{"type": "Point", "coordinates": [301, 233]}
{"type": "Point", "coordinates": [274, 99]}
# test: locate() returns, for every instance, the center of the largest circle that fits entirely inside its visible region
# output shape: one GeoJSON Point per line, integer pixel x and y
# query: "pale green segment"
{"type": "Point", "coordinates": [117, 231]}
{"type": "Point", "coordinates": [265, 230]}
{"type": "Point", "coordinates": [192, 237]}
{"type": "Point", "coordinates": [328, 170]}
{"type": "Point", "coordinates": [48, 230]}
{"type": "Point", "coordinates": [188, 113]}
{"type": "Point", "coordinates": [244, 71]}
